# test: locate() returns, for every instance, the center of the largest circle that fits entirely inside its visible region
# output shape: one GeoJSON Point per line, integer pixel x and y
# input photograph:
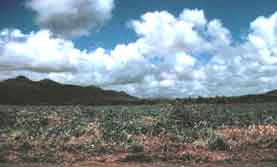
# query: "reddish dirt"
{"type": "Point", "coordinates": [263, 136]}
{"type": "Point", "coordinates": [251, 146]}
{"type": "Point", "coordinates": [156, 164]}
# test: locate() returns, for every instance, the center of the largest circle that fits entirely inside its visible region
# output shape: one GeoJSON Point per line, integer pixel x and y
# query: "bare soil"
{"type": "Point", "coordinates": [156, 164]}
{"type": "Point", "coordinates": [84, 136]}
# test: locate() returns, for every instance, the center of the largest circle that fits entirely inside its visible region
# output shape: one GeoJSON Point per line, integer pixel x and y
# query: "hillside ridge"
{"type": "Point", "coordinates": [23, 91]}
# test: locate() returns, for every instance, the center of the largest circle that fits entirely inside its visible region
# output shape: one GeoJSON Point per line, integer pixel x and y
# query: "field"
{"type": "Point", "coordinates": [152, 135]}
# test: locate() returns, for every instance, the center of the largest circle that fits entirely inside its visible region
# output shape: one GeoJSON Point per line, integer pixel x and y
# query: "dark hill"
{"type": "Point", "coordinates": [22, 91]}
{"type": "Point", "coordinates": [272, 93]}
{"type": "Point", "coordinates": [254, 98]}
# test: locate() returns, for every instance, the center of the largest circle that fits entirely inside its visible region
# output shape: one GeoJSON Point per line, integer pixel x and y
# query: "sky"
{"type": "Point", "coordinates": [148, 48]}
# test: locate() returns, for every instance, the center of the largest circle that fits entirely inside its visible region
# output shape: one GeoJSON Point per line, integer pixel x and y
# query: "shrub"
{"type": "Point", "coordinates": [183, 115]}
{"type": "Point", "coordinates": [136, 148]}
{"type": "Point", "coordinates": [138, 157]}
{"type": "Point", "coordinates": [217, 143]}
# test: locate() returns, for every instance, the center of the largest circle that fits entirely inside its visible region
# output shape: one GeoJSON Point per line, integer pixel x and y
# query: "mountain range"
{"type": "Point", "coordinates": [23, 91]}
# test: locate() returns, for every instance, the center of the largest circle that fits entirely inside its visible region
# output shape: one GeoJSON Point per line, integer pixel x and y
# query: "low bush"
{"type": "Point", "coordinates": [217, 143]}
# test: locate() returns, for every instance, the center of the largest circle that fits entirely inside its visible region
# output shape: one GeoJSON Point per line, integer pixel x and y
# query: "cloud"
{"type": "Point", "coordinates": [71, 18]}
{"type": "Point", "coordinates": [36, 52]}
{"type": "Point", "coordinates": [173, 56]}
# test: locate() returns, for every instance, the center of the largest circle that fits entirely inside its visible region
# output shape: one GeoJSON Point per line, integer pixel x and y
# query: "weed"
{"type": "Point", "coordinates": [217, 143]}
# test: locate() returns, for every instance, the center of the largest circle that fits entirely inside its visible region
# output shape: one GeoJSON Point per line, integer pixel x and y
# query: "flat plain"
{"type": "Point", "coordinates": [147, 135]}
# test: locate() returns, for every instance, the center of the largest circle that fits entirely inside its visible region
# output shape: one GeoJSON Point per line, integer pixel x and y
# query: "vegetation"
{"type": "Point", "coordinates": [196, 132]}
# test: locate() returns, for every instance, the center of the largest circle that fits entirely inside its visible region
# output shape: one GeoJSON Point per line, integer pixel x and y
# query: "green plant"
{"type": "Point", "coordinates": [217, 143]}
{"type": "Point", "coordinates": [136, 148]}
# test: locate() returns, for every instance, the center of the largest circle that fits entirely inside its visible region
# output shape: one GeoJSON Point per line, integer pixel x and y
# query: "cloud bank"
{"type": "Point", "coordinates": [181, 56]}
{"type": "Point", "coordinates": [71, 18]}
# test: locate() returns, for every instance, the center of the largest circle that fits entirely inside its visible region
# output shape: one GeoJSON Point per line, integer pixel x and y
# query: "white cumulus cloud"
{"type": "Point", "coordinates": [173, 56]}
{"type": "Point", "coordinates": [72, 18]}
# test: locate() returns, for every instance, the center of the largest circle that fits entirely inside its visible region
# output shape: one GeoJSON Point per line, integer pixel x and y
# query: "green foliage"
{"type": "Point", "coordinates": [136, 148]}
{"type": "Point", "coordinates": [43, 131]}
{"type": "Point", "coordinates": [217, 143]}
{"type": "Point", "coordinates": [138, 157]}
{"type": "Point", "coordinates": [187, 157]}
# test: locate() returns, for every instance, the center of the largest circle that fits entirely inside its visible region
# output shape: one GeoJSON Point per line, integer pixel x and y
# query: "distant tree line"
{"type": "Point", "coordinates": [229, 100]}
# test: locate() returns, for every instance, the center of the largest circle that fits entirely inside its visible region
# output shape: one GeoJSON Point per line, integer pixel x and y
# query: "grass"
{"type": "Point", "coordinates": [183, 132]}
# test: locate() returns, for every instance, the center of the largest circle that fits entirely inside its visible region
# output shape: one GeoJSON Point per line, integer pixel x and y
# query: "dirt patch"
{"type": "Point", "coordinates": [154, 164]}
{"type": "Point", "coordinates": [254, 136]}
{"type": "Point", "coordinates": [135, 136]}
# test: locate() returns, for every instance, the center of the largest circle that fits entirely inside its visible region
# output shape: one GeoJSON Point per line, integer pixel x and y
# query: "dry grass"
{"type": "Point", "coordinates": [112, 135]}
{"type": "Point", "coordinates": [262, 136]}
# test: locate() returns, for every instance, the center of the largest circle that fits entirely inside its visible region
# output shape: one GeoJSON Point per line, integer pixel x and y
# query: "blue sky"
{"type": "Point", "coordinates": [153, 48]}
{"type": "Point", "coordinates": [235, 15]}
